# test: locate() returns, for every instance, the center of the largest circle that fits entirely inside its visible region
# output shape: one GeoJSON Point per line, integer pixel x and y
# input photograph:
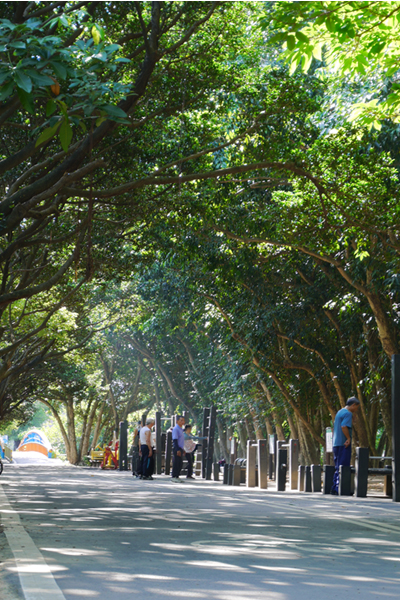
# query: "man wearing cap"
{"type": "Point", "coordinates": [342, 432]}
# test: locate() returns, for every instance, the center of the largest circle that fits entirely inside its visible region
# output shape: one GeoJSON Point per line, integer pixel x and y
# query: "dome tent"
{"type": "Point", "coordinates": [35, 441]}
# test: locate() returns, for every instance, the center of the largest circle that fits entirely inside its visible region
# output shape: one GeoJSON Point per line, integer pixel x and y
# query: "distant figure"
{"type": "Point", "coordinates": [178, 448]}
{"type": "Point", "coordinates": [147, 449]}
{"type": "Point", "coordinates": [190, 446]}
{"type": "Point", "coordinates": [342, 433]}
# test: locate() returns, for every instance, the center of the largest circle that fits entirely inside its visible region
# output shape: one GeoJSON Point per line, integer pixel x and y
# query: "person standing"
{"type": "Point", "coordinates": [178, 449]}
{"type": "Point", "coordinates": [190, 447]}
{"type": "Point", "coordinates": [146, 449]}
{"type": "Point", "coordinates": [342, 434]}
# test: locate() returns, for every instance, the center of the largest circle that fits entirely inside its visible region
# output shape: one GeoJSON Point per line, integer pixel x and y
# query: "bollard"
{"type": "Point", "coordinates": [387, 486]}
{"type": "Point", "coordinates": [158, 434]}
{"type": "Point", "coordinates": [396, 427]}
{"type": "Point", "coordinates": [123, 446]}
{"type": "Point", "coordinates": [168, 453]}
{"type": "Point", "coordinates": [300, 479]}
{"type": "Point", "coordinates": [361, 477]}
{"type": "Point", "coordinates": [262, 456]}
{"type": "Point", "coordinates": [329, 472]}
{"type": "Point", "coordinates": [344, 481]}
{"type": "Point", "coordinates": [204, 448]}
{"type": "Point", "coordinates": [216, 471]}
{"type": "Point", "coordinates": [237, 469]}
{"type": "Point", "coordinates": [210, 442]}
{"type": "Point", "coordinates": [271, 462]}
{"type": "Point", "coordinates": [226, 474]}
{"type": "Point", "coordinates": [293, 463]}
{"type": "Point", "coordinates": [316, 478]}
{"type": "Point", "coordinates": [307, 479]}
{"type": "Point", "coordinates": [281, 467]}
{"type": "Point", "coordinates": [251, 465]}
{"type": "Point", "coordinates": [230, 478]}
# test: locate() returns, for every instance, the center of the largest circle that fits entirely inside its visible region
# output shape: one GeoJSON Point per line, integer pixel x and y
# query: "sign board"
{"type": "Point", "coordinates": [329, 439]}
{"type": "Point", "coordinates": [272, 444]}
{"type": "Point", "coordinates": [232, 445]}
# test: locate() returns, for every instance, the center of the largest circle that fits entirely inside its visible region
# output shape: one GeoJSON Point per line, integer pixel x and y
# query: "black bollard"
{"type": "Point", "coordinates": [307, 479]}
{"type": "Point", "coordinates": [316, 478]}
{"type": "Point", "coordinates": [158, 456]}
{"type": "Point", "coordinates": [396, 427]}
{"type": "Point", "coordinates": [281, 467]}
{"type": "Point", "coordinates": [226, 474]}
{"type": "Point", "coordinates": [168, 453]}
{"type": "Point", "coordinates": [344, 481]}
{"type": "Point", "coordinates": [216, 471]}
{"type": "Point", "coordinates": [361, 477]}
{"type": "Point", "coordinates": [123, 446]}
{"type": "Point", "coordinates": [230, 479]}
{"type": "Point", "coordinates": [329, 472]}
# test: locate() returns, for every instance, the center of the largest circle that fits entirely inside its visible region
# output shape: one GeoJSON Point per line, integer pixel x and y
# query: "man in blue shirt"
{"type": "Point", "coordinates": [342, 433]}
{"type": "Point", "coordinates": [178, 448]}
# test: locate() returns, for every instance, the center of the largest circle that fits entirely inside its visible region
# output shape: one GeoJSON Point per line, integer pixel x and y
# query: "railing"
{"type": "Point", "coordinates": [8, 453]}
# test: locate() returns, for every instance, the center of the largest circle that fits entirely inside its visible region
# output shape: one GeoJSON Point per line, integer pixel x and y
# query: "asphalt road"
{"type": "Point", "coordinates": [70, 532]}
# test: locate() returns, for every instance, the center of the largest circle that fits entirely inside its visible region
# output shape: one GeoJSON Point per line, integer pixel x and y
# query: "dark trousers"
{"type": "Point", "coordinates": [136, 461]}
{"type": "Point", "coordinates": [177, 462]}
{"type": "Point", "coordinates": [341, 456]}
{"type": "Point", "coordinates": [189, 458]}
{"type": "Point", "coordinates": [147, 462]}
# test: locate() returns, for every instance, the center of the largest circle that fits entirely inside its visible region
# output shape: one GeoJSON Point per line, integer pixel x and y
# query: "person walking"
{"type": "Point", "coordinates": [178, 448]}
{"type": "Point", "coordinates": [342, 434]}
{"type": "Point", "coordinates": [146, 449]}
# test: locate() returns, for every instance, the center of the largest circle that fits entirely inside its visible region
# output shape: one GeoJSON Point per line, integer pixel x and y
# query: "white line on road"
{"type": "Point", "coordinates": [36, 578]}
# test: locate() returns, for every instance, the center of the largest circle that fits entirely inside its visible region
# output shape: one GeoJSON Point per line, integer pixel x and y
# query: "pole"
{"type": "Point", "coordinates": [158, 455]}
{"type": "Point", "coordinates": [396, 427]}
{"type": "Point", "coordinates": [123, 446]}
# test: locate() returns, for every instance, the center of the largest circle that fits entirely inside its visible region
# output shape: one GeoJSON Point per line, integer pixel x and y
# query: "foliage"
{"type": "Point", "coordinates": [355, 39]}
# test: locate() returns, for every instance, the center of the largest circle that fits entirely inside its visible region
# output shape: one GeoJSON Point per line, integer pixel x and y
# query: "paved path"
{"type": "Point", "coordinates": [81, 533]}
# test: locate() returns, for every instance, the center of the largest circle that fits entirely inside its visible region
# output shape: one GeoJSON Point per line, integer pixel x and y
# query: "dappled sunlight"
{"type": "Point", "coordinates": [160, 542]}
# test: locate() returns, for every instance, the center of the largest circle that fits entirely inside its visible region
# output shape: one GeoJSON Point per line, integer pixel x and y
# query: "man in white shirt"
{"type": "Point", "coordinates": [147, 449]}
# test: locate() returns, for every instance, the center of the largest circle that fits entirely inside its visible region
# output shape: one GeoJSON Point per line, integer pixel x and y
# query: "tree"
{"type": "Point", "coordinates": [114, 100]}
{"type": "Point", "coordinates": [353, 39]}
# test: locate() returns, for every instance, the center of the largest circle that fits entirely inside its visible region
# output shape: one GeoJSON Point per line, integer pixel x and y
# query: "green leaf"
{"type": "Point", "coordinates": [47, 134]}
{"type": "Point", "coordinates": [291, 42]}
{"type": "Point", "coordinates": [59, 69]}
{"type": "Point", "coordinates": [51, 107]}
{"type": "Point", "coordinates": [96, 35]}
{"type": "Point", "coordinates": [301, 37]}
{"type": "Point", "coordinates": [23, 81]}
{"type": "Point", "coordinates": [39, 78]}
{"type": "Point", "coordinates": [65, 135]}
{"type": "Point", "coordinates": [3, 76]}
{"type": "Point", "coordinates": [6, 90]}
{"type": "Point", "coordinates": [112, 47]}
{"type": "Point", "coordinates": [26, 100]}
{"type": "Point", "coordinates": [114, 111]}
{"type": "Point", "coordinates": [330, 25]}
{"type": "Point", "coordinates": [17, 44]}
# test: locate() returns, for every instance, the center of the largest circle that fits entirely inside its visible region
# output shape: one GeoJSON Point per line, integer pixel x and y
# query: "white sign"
{"type": "Point", "coordinates": [272, 444]}
{"type": "Point", "coordinates": [329, 439]}
{"type": "Point", "coordinates": [232, 445]}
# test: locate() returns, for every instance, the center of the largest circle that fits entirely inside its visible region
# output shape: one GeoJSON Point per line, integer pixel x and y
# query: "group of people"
{"type": "Point", "coordinates": [184, 444]}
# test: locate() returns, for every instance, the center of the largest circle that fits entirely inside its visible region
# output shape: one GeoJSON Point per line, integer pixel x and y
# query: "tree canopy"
{"type": "Point", "coordinates": [195, 212]}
